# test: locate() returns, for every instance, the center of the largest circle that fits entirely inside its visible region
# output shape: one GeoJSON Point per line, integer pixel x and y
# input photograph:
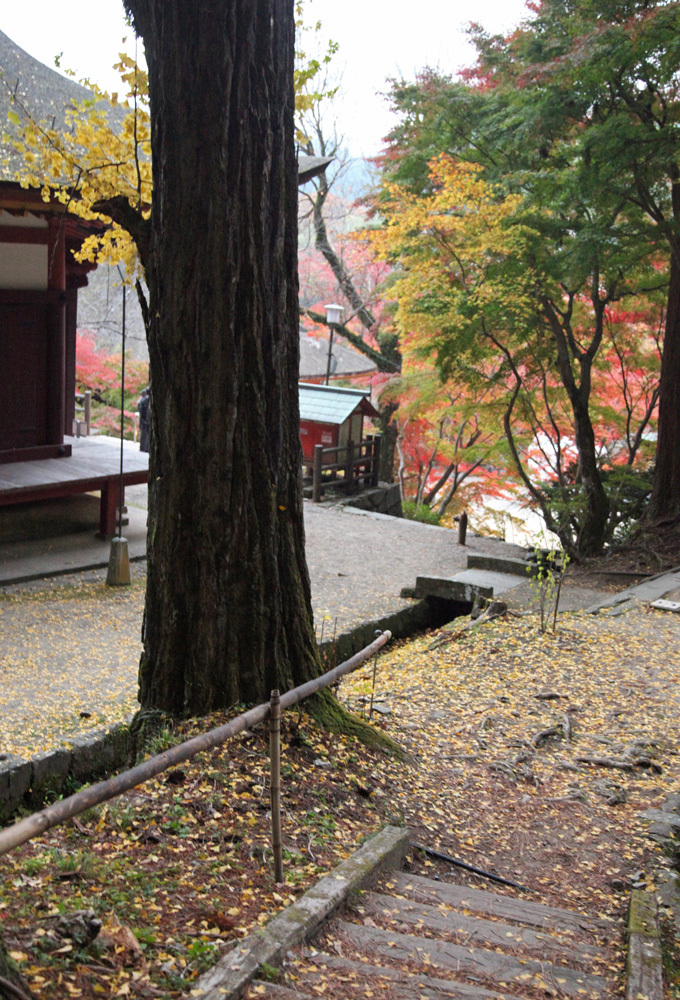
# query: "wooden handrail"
{"type": "Point", "coordinates": [356, 461]}
{"type": "Point", "coordinates": [103, 791]}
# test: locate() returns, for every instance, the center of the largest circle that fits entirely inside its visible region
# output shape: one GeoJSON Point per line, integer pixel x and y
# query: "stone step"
{"type": "Point", "coordinates": [356, 977]}
{"type": "Point", "coordinates": [491, 904]}
{"type": "Point", "coordinates": [429, 954]}
{"type": "Point", "coordinates": [443, 921]}
{"type": "Point", "coordinates": [259, 990]}
{"type": "Point", "coordinates": [502, 564]}
{"type": "Point", "coordinates": [467, 585]}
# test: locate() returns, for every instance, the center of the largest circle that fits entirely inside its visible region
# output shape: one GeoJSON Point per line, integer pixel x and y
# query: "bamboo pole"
{"type": "Point", "coordinates": [103, 791]}
{"type": "Point", "coordinates": [375, 668]}
{"type": "Point", "coordinates": [275, 781]}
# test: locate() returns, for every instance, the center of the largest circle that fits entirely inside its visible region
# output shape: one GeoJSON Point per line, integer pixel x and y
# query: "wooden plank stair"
{"type": "Point", "coordinates": [418, 939]}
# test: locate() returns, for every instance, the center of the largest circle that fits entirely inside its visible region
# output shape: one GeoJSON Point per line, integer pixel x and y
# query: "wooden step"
{"type": "Point", "coordinates": [356, 976]}
{"type": "Point", "coordinates": [491, 904]}
{"type": "Point", "coordinates": [442, 921]}
{"type": "Point", "coordinates": [493, 966]}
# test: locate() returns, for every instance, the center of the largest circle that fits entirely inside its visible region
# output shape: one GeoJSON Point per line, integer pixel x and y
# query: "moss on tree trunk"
{"type": "Point", "coordinates": [325, 709]}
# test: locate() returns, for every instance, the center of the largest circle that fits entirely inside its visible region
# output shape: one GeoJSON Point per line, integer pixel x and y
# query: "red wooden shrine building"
{"type": "Point", "coordinates": [39, 282]}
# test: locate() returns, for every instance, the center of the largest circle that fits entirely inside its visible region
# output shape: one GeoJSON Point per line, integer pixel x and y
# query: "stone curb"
{"type": "Point", "coordinates": [81, 758]}
{"type": "Point", "coordinates": [50, 574]}
{"type": "Point", "coordinates": [412, 618]}
{"type": "Point", "coordinates": [644, 970]}
{"type": "Point", "coordinates": [100, 752]}
{"type": "Point", "coordinates": [300, 921]}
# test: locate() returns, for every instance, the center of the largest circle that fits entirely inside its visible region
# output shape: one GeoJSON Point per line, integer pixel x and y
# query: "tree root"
{"type": "Point", "coordinates": [325, 709]}
{"type": "Point", "coordinates": [496, 609]}
{"type": "Point", "coordinates": [561, 728]}
{"type": "Point", "coordinates": [619, 765]}
{"type": "Point", "coordinates": [12, 986]}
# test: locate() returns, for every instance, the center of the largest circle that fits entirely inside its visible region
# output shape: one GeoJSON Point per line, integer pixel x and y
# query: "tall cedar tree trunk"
{"type": "Point", "coordinates": [228, 611]}
{"type": "Point", "coordinates": [664, 503]}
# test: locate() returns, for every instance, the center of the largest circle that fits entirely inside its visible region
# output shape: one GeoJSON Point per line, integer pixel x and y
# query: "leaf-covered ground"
{"type": "Point", "coordinates": [69, 654]}
{"type": "Point", "coordinates": [495, 722]}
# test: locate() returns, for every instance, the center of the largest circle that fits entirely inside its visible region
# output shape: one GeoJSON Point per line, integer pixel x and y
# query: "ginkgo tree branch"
{"type": "Point", "coordinates": [119, 209]}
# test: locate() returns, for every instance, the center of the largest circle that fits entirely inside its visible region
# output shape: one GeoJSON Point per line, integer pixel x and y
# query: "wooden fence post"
{"type": "Point", "coordinates": [462, 528]}
{"type": "Point", "coordinates": [349, 463]}
{"type": "Point", "coordinates": [316, 473]}
{"type": "Point", "coordinates": [275, 781]}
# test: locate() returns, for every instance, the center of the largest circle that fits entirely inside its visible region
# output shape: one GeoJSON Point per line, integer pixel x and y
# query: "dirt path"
{"type": "Point", "coordinates": [502, 724]}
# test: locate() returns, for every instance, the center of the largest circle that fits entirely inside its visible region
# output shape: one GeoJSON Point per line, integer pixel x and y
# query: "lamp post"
{"type": "Point", "coordinates": [333, 318]}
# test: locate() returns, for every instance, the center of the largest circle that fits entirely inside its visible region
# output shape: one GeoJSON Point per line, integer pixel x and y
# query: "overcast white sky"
{"type": "Point", "coordinates": [378, 39]}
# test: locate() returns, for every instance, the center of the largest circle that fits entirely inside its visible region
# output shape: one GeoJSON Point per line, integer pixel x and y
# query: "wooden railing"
{"type": "Point", "coordinates": [349, 466]}
{"type": "Point", "coordinates": [104, 791]}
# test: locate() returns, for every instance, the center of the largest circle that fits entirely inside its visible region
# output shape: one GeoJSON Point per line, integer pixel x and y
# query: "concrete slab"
{"type": "Point", "coordinates": [572, 598]}
{"type": "Point", "coordinates": [652, 590]}
{"type": "Point", "coordinates": [502, 564]}
{"type": "Point", "coordinates": [467, 585]}
{"type": "Point", "coordinates": [663, 585]}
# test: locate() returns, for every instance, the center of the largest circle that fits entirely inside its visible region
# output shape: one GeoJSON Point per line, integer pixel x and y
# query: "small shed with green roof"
{"type": "Point", "coordinates": [332, 416]}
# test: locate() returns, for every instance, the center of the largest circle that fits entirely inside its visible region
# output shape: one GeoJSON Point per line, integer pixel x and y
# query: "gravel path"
{"type": "Point", "coordinates": [69, 646]}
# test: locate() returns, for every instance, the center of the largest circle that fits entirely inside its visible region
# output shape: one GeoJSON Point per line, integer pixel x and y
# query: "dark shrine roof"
{"type": "Point", "coordinates": [311, 166]}
{"type": "Point", "coordinates": [345, 359]}
{"type": "Point", "coordinates": [47, 94]}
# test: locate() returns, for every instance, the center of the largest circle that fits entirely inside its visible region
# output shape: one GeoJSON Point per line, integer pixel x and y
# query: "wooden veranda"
{"type": "Point", "coordinates": [91, 468]}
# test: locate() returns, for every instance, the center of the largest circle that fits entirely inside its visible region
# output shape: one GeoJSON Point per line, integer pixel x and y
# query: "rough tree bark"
{"type": "Point", "coordinates": [228, 612]}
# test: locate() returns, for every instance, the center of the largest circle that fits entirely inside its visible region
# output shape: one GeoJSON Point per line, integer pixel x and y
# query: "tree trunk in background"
{"type": "Point", "coordinates": [664, 503]}
{"type": "Point", "coordinates": [388, 445]}
{"type": "Point", "coordinates": [228, 611]}
{"type": "Point", "coordinates": [388, 356]}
